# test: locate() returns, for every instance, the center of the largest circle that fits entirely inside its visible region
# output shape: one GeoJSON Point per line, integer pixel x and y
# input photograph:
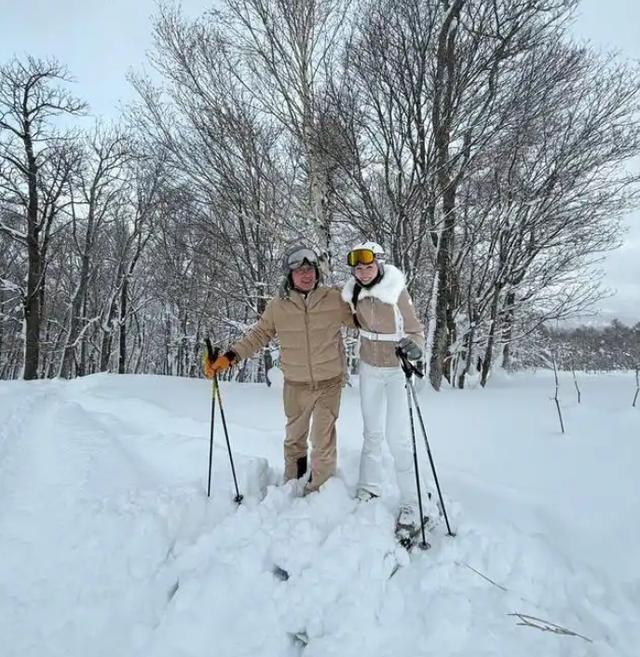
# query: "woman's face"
{"type": "Point", "coordinates": [366, 273]}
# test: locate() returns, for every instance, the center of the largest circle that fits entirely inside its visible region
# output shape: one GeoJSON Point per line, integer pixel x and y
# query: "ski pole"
{"type": "Point", "coordinates": [238, 498]}
{"type": "Point", "coordinates": [211, 355]}
{"type": "Point", "coordinates": [424, 545]}
{"type": "Point", "coordinates": [433, 465]}
{"type": "Point", "coordinates": [409, 369]}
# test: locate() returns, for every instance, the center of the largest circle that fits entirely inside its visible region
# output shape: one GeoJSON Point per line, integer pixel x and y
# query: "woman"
{"type": "Point", "coordinates": [384, 313]}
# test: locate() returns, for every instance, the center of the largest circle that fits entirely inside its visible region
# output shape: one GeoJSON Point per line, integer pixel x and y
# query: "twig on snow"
{"type": "Point", "coordinates": [546, 626]}
{"type": "Point", "coordinates": [555, 372]}
{"type": "Point", "coordinates": [464, 563]}
{"type": "Point", "coordinates": [575, 382]}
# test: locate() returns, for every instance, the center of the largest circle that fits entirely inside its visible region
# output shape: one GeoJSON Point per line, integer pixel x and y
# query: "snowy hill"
{"type": "Point", "coordinates": [109, 546]}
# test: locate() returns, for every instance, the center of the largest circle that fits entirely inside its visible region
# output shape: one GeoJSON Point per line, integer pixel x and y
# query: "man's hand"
{"type": "Point", "coordinates": [221, 363]}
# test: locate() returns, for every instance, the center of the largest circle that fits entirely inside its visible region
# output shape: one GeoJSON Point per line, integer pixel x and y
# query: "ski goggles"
{"type": "Point", "coordinates": [297, 258]}
{"type": "Point", "coordinates": [360, 257]}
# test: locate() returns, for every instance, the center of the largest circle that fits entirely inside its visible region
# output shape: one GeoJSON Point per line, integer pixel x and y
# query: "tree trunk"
{"type": "Point", "coordinates": [32, 312]}
{"type": "Point", "coordinates": [2, 345]}
{"type": "Point", "coordinates": [488, 356]}
{"type": "Point", "coordinates": [105, 350]}
{"type": "Point", "coordinates": [68, 356]}
{"type": "Point", "coordinates": [82, 364]}
{"type": "Point", "coordinates": [75, 311]}
{"type": "Point", "coordinates": [442, 115]}
{"type": "Point", "coordinates": [507, 329]}
{"type": "Point", "coordinates": [467, 355]}
{"type": "Point", "coordinates": [122, 357]}
{"type": "Point", "coordinates": [107, 335]}
{"type": "Point", "coordinates": [183, 345]}
{"type": "Point", "coordinates": [140, 339]}
{"type": "Point", "coordinates": [440, 361]}
{"type": "Point", "coordinates": [32, 316]}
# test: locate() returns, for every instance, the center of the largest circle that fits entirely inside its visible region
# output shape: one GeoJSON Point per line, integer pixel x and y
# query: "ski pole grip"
{"type": "Point", "coordinates": [212, 353]}
{"type": "Point", "coordinates": [417, 371]}
{"type": "Point", "coordinates": [408, 367]}
{"type": "Point", "coordinates": [404, 363]}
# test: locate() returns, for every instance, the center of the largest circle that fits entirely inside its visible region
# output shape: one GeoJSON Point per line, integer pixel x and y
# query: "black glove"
{"type": "Point", "coordinates": [232, 356]}
{"type": "Point", "coordinates": [409, 349]}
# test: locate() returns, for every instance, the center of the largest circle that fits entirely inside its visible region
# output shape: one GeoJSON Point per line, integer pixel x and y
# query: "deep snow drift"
{"type": "Point", "coordinates": [109, 546]}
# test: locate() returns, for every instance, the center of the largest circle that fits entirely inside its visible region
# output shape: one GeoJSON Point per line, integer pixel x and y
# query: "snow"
{"type": "Point", "coordinates": [110, 546]}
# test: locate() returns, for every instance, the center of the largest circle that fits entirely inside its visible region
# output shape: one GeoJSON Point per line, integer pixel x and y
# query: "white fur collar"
{"type": "Point", "coordinates": [388, 290]}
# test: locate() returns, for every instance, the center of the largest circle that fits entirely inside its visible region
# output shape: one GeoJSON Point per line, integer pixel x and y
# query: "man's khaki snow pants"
{"type": "Point", "coordinates": [316, 404]}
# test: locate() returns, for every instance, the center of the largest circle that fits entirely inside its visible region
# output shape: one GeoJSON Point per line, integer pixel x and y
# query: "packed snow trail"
{"type": "Point", "coordinates": [86, 528]}
{"type": "Point", "coordinates": [110, 546]}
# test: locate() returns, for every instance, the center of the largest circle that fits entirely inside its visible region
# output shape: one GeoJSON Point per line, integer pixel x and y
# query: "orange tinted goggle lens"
{"type": "Point", "coordinates": [360, 257]}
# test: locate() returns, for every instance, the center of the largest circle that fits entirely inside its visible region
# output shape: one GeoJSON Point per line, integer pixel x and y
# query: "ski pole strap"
{"type": "Point", "coordinates": [354, 304]}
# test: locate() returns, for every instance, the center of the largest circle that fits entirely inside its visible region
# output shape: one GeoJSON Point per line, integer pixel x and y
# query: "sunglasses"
{"type": "Point", "coordinates": [360, 257]}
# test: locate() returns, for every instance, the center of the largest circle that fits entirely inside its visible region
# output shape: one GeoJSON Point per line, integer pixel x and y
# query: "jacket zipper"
{"type": "Point", "coordinates": [306, 328]}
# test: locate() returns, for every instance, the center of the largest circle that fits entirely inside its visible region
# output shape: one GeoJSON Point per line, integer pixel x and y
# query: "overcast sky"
{"type": "Point", "coordinates": [101, 40]}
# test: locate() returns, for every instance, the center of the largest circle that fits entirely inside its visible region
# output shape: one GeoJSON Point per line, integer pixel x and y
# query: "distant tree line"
{"type": "Point", "coordinates": [583, 348]}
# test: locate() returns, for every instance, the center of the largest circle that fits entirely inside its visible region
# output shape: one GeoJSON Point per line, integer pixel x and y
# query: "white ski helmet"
{"type": "Point", "coordinates": [362, 252]}
{"type": "Point", "coordinates": [371, 246]}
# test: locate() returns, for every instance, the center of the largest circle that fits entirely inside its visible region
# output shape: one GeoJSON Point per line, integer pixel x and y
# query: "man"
{"type": "Point", "coordinates": [307, 318]}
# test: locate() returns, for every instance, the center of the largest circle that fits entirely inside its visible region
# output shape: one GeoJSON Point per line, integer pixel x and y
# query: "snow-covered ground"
{"type": "Point", "coordinates": [110, 547]}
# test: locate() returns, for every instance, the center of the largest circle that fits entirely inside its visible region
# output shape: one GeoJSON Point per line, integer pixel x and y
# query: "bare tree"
{"type": "Point", "coordinates": [132, 231]}
{"type": "Point", "coordinates": [229, 165]}
{"type": "Point", "coordinates": [383, 102]}
{"type": "Point", "coordinates": [483, 150]}
{"type": "Point", "coordinates": [549, 202]}
{"type": "Point", "coordinates": [100, 182]}
{"type": "Point", "coordinates": [478, 43]}
{"type": "Point", "coordinates": [35, 164]}
{"type": "Point", "coordinates": [283, 54]}
{"type": "Point", "coordinates": [11, 294]}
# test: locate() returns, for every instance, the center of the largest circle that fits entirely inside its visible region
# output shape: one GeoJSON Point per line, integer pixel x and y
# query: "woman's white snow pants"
{"type": "Point", "coordinates": [383, 399]}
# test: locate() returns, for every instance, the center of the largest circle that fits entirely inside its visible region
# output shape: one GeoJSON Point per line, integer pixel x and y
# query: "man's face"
{"type": "Point", "coordinates": [304, 278]}
{"type": "Point", "coordinates": [366, 273]}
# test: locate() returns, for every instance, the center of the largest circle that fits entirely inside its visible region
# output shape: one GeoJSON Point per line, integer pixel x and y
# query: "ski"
{"type": "Point", "coordinates": [407, 542]}
{"type": "Point", "coordinates": [408, 537]}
